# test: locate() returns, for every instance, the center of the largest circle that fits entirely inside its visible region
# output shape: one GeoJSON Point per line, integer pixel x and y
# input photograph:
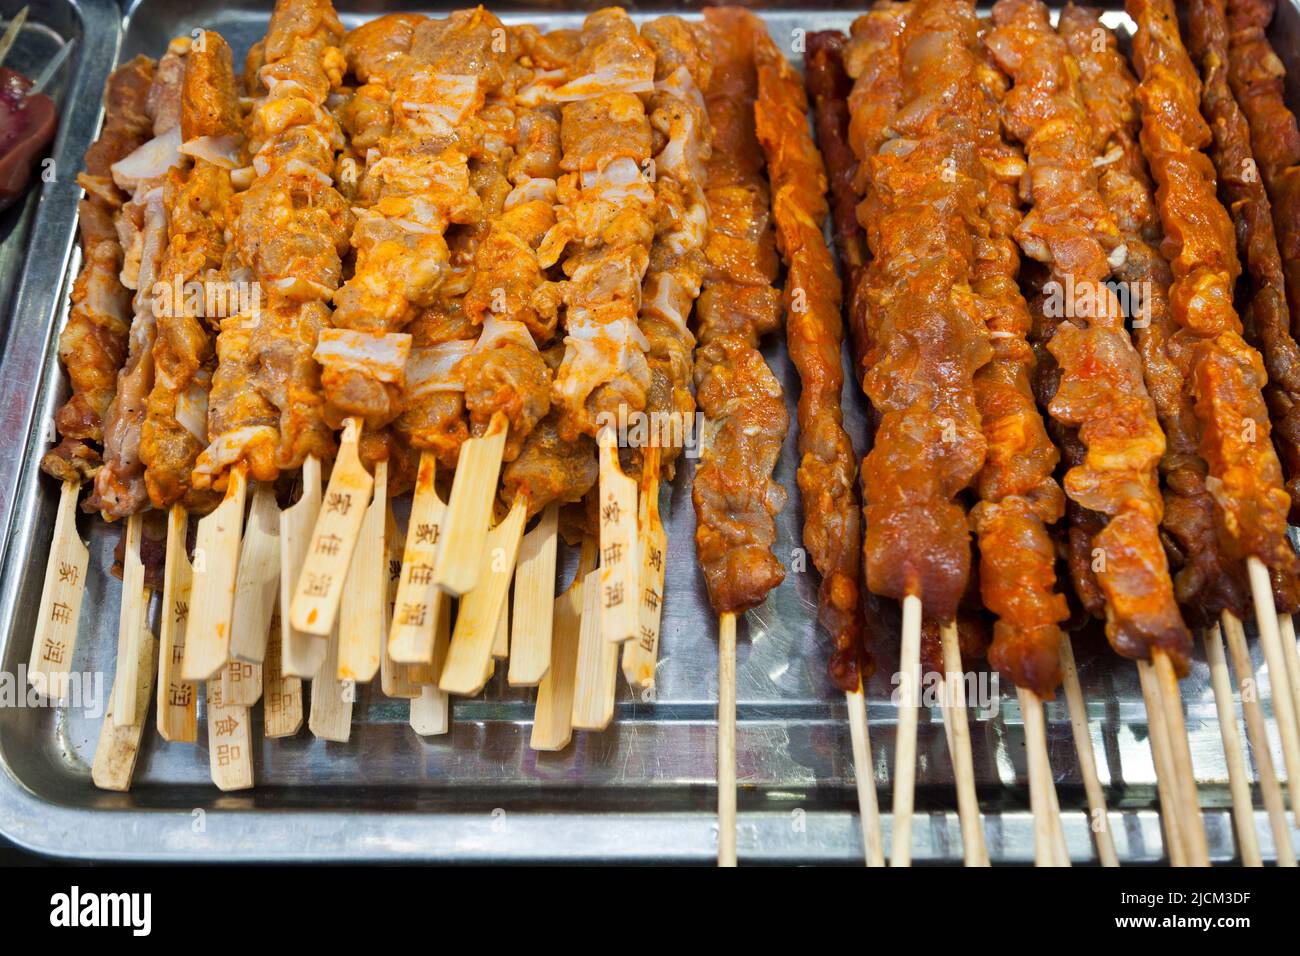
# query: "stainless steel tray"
{"type": "Point", "coordinates": [641, 791]}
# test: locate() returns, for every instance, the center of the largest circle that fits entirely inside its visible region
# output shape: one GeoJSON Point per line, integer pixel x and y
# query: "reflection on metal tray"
{"type": "Point", "coordinates": [643, 790]}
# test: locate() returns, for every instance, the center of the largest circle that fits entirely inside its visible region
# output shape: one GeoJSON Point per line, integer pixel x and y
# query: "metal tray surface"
{"type": "Point", "coordinates": [641, 791]}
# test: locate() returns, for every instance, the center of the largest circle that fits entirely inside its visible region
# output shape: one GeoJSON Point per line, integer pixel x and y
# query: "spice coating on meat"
{"type": "Point", "coordinates": [832, 524]}
{"type": "Point", "coordinates": [175, 425]}
{"type": "Point", "coordinates": [928, 337]}
{"type": "Point", "coordinates": [1101, 391]}
{"type": "Point", "coordinates": [1019, 498]}
{"type": "Point", "coordinates": [1204, 583]}
{"type": "Point", "coordinates": [92, 345]}
{"type": "Point", "coordinates": [119, 485]}
{"type": "Point", "coordinates": [1227, 374]}
{"type": "Point", "coordinates": [735, 497]}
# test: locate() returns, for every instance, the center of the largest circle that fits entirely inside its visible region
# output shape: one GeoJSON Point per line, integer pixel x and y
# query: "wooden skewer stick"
{"type": "Point", "coordinates": [230, 741]}
{"type": "Point", "coordinates": [1257, 734]}
{"type": "Point", "coordinates": [324, 573]}
{"type": "Point", "coordinates": [553, 715]}
{"type": "Point", "coordinates": [131, 623]}
{"type": "Point", "coordinates": [11, 32]}
{"type": "Point", "coordinates": [301, 654]}
{"type": "Point", "coordinates": [119, 743]}
{"type": "Point", "coordinates": [469, 510]}
{"type": "Point", "coordinates": [317, 587]}
{"type": "Point", "coordinates": [909, 702]}
{"type": "Point", "coordinates": [726, 740]}
{"type": "Point", "coordinates": [177, 699]}
{"type": "Point", "coordinates": [1099, 818]}
{"type": "Point", "coordinates": [361, 615]}
{"type": "Point", "coordinates": [257, 586]}
{"type": "Point", "coordinates": [1061, 851]}
{"type": "Point", "coordinates": [216, 561]}
{"type": "Point", "coordinates": [469, 657]}
{"type": "Point", "coordinates": [1291, 652]}
{"type": "Point", "coordinates": [431, 710]}
{"type": "Point", "coordinates": [282, 696]}
{"type": "Point", "coordinates": [1243, 806]}
{"type": "Point", "coordinates": [59, 612]}
{"type": "Point", "coordinates": [596, 674]}
{"type": "Point", "coordinates": [1041, 784]}
{"type": "Point", "coordinates": [641, 654]}
{"type": "Point", "coordinates": [398, 680]}
{"type": "Point", "coordinates": [1191, 825]}
{"type": "Point", "coordinates": [331, 699]}
{"type": "Point", "coordinates": [534, 611]}
{"type": "Point", "coordinates": [974, 850]}
{"type": "Point", "coordinates": [416, 607]}
{"type": "Point", "coordinates": [868, 808]}
{"type": "Point", "coordinates": [1270, 640]}
{"type": "Point", "coordinates": [501, 641]}
{"type": "Point", "coordinates": [1162, 757]}
{"type": "Point", "coordinates": [619, 569]}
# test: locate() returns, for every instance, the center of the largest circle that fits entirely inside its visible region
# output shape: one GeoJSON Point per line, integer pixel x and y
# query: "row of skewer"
{"type": "Point", "coordinates": [280, 377]}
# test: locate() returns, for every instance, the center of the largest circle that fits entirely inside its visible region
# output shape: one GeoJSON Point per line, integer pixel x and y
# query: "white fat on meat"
{"type": "Point", "coordinates": [433, 368]}
{"type": "Point", "coordinates": [380, 357]}
{"type": "Point", "coordinates": [148, 161]}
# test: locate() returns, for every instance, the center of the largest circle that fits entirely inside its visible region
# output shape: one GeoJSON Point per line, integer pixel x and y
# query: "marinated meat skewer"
{"type": "Point", "coordinates": [829, 86]}
{"type": "Point", "coordinates": [1100, 390]}
{"type": "Point", "coordinates": [289, 234]}
{"type": "Point", "coordinates": [92, 348]}
{"type": "Point", "coordinates": [923, 338]}
{"type": "Point", "coordinates": [1250, 503]}
{"type": "Point", "coordinates": [735, 498]}
{"type": "Point", "coordinates": [832, 517]}
{"type": "Point", "coordinates": [193, 297]}
{"type": "Point", "coordinates": [1266, 318]}
{"type": "Point", "coordinates": [674, 277]}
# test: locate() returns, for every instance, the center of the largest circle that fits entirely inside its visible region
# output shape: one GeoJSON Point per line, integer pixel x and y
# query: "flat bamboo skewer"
{"type": "Point", "coordinates": [1243, 806]}
{"type": "Point", "coordinates": [1271, 641]}
{"type": "Point", "coordinates": [553, 714]}
{"type": "Point", "coordinates": [281, 695]}
{"type": "Point", "coordinates": [534, 602]}
{"type": "Point", "coordinates": [59, 612]}
{"type": "Point", "coordinates": [257, 584]}
{"type": "Point", "coordinates": [131, 624]}
{"type": "Point", "coordinates": [1257, 733]}
{"type": "Point", "coordinates": [361, 613]}
{"type": "Point", "coordinates": [119, 741]}
{"type": "Point", "coordinates": [619, 570]}
{"type": "Point", "coordinates": [909, 703]}
{"type": "Point", "coordinates": [469, 509]}
{"type": "Point", "coordinates": [974, 850]}
{"type": "Point", "coordinates": [1162, 757]}
{"type": "Point", "coordinates": [727, 740]}
{"type": "Point", "coordinates": [216, 560]}
{"type": "Point", "coordinates": [868, 807]}
{"type": "Point", "coordinates": [501, 640]}
{"type": "Point", "coordinates": [319, 585]}
{"type": "Point", "coordinates": [177, 699]}
{"type": "Point", "coordinates": [641, 654]}
{"type": "Point", "coordinates": [330, 717]}
{"type": "Point", "coordinates": [301, 654]}
{"type": "Point", "coordinates": [431, 710]}
{"type": "Point", "coordinates": [230, 741]}
{"type": "Point", "coordinates": [469, 658]}
{"type": "Point", "coordinates": [596, 672]}
{"type": "Point", "coordinates": [398, 680]}
{"type": "Point", "coordinates": [1099, 817]}
{"type": "Point", "coordinates": [417, 602]}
